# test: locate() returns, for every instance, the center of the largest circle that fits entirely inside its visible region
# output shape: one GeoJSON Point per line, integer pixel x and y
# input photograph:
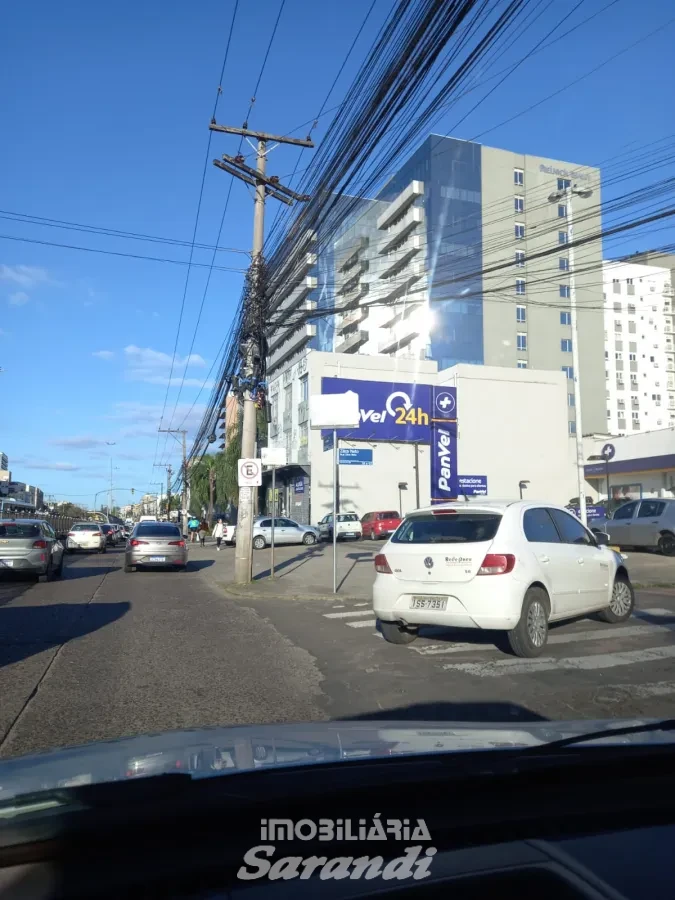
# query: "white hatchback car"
{"type": "Point", "coordinates": [510, 566]}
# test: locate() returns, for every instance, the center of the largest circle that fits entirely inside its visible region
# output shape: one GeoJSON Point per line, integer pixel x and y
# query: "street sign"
{"type": "Point", "coordinates": [608, 451]}
{"type": "Point", "coordinates": [299, 486]}
{"type": "Point", "coordinates": [341, 412]}
{"type": "Point", "coordinates": [250, 472]}
{"type": "Point", "coordinates": [273, 456]}
{"type": "Point", "coordinates": [354, 456]}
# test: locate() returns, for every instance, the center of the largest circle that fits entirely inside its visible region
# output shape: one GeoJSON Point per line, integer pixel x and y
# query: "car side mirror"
{"type": "Point", "coordinates": [602, 538]}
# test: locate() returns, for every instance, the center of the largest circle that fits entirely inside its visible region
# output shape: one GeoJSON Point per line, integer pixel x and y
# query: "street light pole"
{"type": "Point", "coordinates": [566, 194]}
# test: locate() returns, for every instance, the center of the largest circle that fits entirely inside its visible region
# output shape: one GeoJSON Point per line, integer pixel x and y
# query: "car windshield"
{"type": "Point", "coordinates": [455, 528]}
{"type": "Point", "coordinates": [19, 530]}
{"type": "Point", "coordinates": [107, 528]}
{"type": "Point", "coordinates": [157, 530]}
{"type": "Point", "coordinates": [348, 517]}
{"type": "Point", "coordinates": [388, 515]}
{"type": "Point", "coordinates": [85, 527]}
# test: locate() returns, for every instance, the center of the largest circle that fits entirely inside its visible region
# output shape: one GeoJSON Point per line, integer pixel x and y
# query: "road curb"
{"type": "Point", "coordinates": [255, 593]}
{"type": "Point", "coordinates": [643, 586]}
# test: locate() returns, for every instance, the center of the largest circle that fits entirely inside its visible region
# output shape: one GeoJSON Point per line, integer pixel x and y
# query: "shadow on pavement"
{"type": "Point", "coordinates": [442, 711]}
{"type": "Point", "coordinates": [27, 630]}
{"type": "Point", "coordinates": [365, 556]}
{"type": "Point", "coordinates": [195, 565]}
{"type": "Point", "coordinates": [71, 572]}
{"type": "Point", "coordinates": [315, 551]}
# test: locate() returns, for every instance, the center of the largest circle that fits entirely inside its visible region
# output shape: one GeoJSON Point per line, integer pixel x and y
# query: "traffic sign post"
{"type": "Point", "coordinates": [273, 457]}
{"type": "Point", "coordinates": [250, 472]}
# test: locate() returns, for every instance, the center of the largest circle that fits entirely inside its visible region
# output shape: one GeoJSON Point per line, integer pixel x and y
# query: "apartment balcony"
{"type": "Point", "coordinates": [398, 206]}
{"type": "Point", "coordinates": [288, 345]}
{"type": "Point", "coordinates": [292, 295]}
{"type": "Point", "coordinates": [351, 283]}
{"type": "Point", "coordinates": [619, 365]}
{"type": "Point", "coordinates": [352, 299]}
{"type": "Point", "coordinates": [393, 342]}
{"type": "Point", "coordinates": [351, 319]}
{"type": "Point", "coordinates": [633, 367]}
{"type": "Point", "coordinates": [402, 285]}
{"type": "Point", "coordinates": [287, 420]}
{"type": "Point", "coordinates": [401, 311]}
{"type": "Point", "coordinates": [410, 221]}
{"type": "Point", "coordinates": [353, 255]}
{"type": "Point", "coordinates": [402, 257]}
{"type": "Point", "coordinates": [352, 342]}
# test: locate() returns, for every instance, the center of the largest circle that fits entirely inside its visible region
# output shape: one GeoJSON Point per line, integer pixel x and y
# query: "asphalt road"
{"type": "Point", "coordinates": [100, 654]}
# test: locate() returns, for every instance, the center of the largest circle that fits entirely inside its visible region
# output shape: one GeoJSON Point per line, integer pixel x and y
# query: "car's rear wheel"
{"type": "Point", "coordinates": [48, 575]}
{"type": "Point", "coordinates": [372, 535]}
{"type": "Point", "coordinates": [58, 571]}
{"type": "Point", "coordinates": [309, 538]}
{"type": "Point", "coordinates": [621, 603]}
{"type": "Point", "coordinates": [667, 544]}
{"type": "Point", "coordinates": [128, 569]}
{"type": "Point", "coordinates": [259, 542]}
{"type": "Point", "coordinates": [529, 637]}
{"type": "Point", "coordinates": [394, 633]}
{"type": "Point", "coordinates": [103, 549]}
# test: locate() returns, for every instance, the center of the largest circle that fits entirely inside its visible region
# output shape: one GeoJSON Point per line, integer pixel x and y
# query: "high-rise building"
{"type": "Point", "coordinates": [461, 258]}
{"type": "Point", "coordinates": [4, 462]}
{"type": "Point", "coordinates": [638, 347]}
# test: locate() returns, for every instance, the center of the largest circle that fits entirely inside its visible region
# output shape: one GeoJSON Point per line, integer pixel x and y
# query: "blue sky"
{"type": "Point", "coordinates": [105, 112]}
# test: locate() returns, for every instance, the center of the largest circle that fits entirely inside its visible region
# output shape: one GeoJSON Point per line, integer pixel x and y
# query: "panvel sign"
{"type": "Point", "coordinates": [388, 411]}
{"type": "Point", "coordinates": [444, 477]}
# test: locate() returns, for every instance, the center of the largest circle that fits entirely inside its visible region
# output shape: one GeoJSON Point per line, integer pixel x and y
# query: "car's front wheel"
{"type": "Point", "coordinates": [259, 542]}
{"type": "Point", "coordinates": [394, 633]}
{"type": "Point", "coordinates": [667, 544]}
{"type": "Point", "coordinates": [309, 538]}
{"type": "Point", "coordinates": [621, 603]}
{"type": "Point", "coordinates": [529, 637]}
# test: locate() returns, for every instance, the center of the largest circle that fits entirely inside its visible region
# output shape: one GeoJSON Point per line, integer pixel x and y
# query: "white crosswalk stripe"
{"type": "Point", "coordinates": [348, 615]}
{"type": "Point", "coordinates": [369, 623]}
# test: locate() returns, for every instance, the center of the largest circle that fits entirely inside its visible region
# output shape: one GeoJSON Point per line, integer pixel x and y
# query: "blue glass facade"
{"type": "Point", "coordinates": [451, 173]}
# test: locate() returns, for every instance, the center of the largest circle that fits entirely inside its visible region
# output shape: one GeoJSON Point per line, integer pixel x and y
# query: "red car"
{"type": "Point", "coordinates": [378, 525]}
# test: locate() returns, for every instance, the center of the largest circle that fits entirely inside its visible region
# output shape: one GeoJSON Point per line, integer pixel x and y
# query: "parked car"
{"type": "Point", "coordinates": [31, 547]}
{"type": "Point", "coordinates": [348, 527]}
{"type": "Point", "coordinates": [286, 531]}
{"type": "Point", "coordinates": [87, 536]}
{"type": "Point", "coordinates": [156, 544]}
{"type": "Point", "coordinates": [377, 525]}
{"type": "Point", "coordinates": [647, 524]}
{"type": "Point", "coordinates": [508, 566]}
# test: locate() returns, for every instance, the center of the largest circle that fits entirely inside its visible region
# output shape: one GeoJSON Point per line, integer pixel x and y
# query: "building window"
{"type": "Point", "coordinates": [632, 357]}
{"type": "Point", "coordinates": [635, 416]}
{"type": "Point", "coordinates": [565, 318]}
{"type": "Point", "coordinates": [631, 309]}
{"type": "Point", "coordinates": [522, 363]}
{"type": "Point", "coordinates": [569, 371]}
{"type": "Point", "coordinates": [618, 355]}
{"type": "Point", "coordinates": [564, 264]}
{"type": "Point", "coordinates": [564, 291]}
{"type": "Point", "coordinates": [520, 286]}
{"type": "Point", "coordinates": [562, 210]}
{"type": "Point", "coordinates": [304, 389]}
{"type": "Point", "coordinates": [520, 314]}
{"type": "Point", "coordinates": [520, 231]}
{"type": "Point", "coordinates": [519, 204]}
{"type": "Point", "coordinates": [520, 258]}
{"type": "Point", "coordinates": [572, 427]}
{"type": "Point", "coordinates": [617, 307]}
{"type": "Point", "coordinates": [570, 399]}
{"type": "Point", "coordinates": [521, 340]}
{"type": "Point", "coordinates": [564, 183]}
{"type": "Point", "coordinates": [518, 176]}
{"type": "Point", "coordinates": [562, 237]}
{"type": "Point", "coordinates": [566, 345]}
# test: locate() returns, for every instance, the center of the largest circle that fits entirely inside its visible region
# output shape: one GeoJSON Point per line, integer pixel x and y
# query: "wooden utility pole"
{"type": "Point", "coordinates": [251, 348]}
{"type": "Point", "coordinates": [169, 472]}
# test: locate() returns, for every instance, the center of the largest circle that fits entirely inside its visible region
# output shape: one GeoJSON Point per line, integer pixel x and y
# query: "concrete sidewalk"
{"type": "Point", "coordinates": [307, 572]}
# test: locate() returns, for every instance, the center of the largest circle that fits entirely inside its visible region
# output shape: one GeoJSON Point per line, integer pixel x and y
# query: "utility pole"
{"type": "Point", "coordinates": [169, 469]}
{"type": "Point", "coordinates": [184, 500]}
{"type": "Point", "coordinates": [252, 351]}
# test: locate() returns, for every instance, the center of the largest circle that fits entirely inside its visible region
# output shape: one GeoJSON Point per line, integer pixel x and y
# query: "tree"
{"type": "Point", "coordinates": [203, 484]}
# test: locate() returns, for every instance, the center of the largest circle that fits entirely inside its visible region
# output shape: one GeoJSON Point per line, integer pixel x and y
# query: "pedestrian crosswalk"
{"type": "Point", "coordinates": [584, 645]}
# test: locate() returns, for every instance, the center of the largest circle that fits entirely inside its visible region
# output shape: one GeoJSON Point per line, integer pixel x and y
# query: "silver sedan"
{"type": "Point", "coordinates": [158, 544]}
{"type": "Point", "coordinates": [286, 531]}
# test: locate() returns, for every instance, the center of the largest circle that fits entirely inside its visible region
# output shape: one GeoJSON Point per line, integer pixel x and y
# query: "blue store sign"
{"type": "Point", "coordinates": [299, 486]}
{"type": "Point", "coordinates": [473, 485]}
{"type": "Point", "coordinates": [354, 456]}
{"type": "Point", "coordinates": [444, 477]}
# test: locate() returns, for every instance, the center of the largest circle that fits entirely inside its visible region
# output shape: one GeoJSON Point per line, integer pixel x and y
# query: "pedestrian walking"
{"type": "Point", "coordinates": [218, 532]}
{"type": "Point", "coordinates": [193, 526]}
{"type": "Point", "coordinates": [203, 531]}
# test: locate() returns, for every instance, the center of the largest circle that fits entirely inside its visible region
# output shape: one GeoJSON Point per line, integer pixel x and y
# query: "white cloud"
{"type": "Point", "coordinates": [51, 466]}
{"type": "Point", "coordinates": [103, 354]}
{"type": "Point", "coordinates": [154, 367]}
{"type": "Point", "coordinates": [142, 419]}
{"type": "Point", "coordinates": [78, 443]}
{"type": "Point", "coordinates": [24, 276]}
{"type": "Point", "coordinates": [19, 298]}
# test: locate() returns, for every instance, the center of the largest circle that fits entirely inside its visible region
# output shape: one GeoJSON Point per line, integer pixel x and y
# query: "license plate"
{"type": "Point", "coordinates": [158, 559]}
{"type": "Point", "coordinates": [349, 534]}
{"type": "Point", "coordinates": [428, 602]}
{"type": "Point", "coordinates": [7, 562]}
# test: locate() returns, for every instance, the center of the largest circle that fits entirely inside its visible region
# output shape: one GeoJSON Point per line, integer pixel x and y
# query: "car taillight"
{"type": "Point", "coordinates": [176, 543]}
{"type": "Point", "coordinates": [381, 564]}
{"type": "Point", "coordinates": [71, 534]}
{"type": "Point", "coordinates": [497, 564]}
{"type": "Point", "coordinates": [39, 545]}
{"type": "Point", "coordinates": [134, 542]}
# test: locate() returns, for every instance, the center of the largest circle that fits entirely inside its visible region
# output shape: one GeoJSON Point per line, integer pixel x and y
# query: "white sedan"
{"type": "Point", "coordinates": [508, 566]}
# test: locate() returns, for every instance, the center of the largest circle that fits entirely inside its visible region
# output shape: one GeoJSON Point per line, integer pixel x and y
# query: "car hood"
{"type": "Point", "coordinates": [210, 751]}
